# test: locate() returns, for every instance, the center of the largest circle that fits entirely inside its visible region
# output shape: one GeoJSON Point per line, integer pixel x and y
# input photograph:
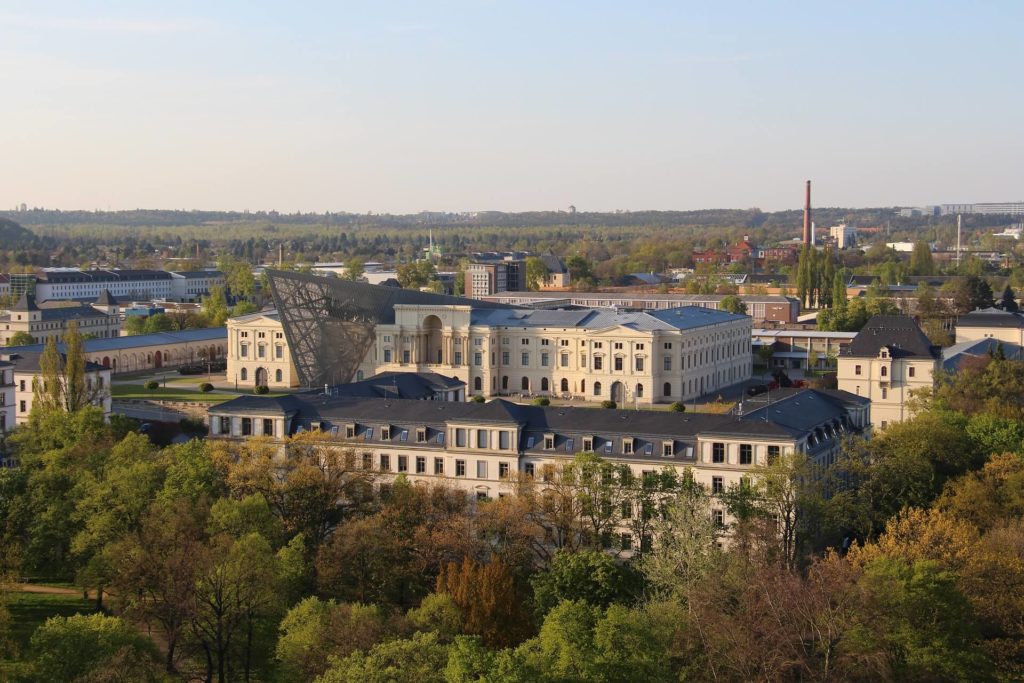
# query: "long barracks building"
{"type": "Point", "coordinates": [475, 446]}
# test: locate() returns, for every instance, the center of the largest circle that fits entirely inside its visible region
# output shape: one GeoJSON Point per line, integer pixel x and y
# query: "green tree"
{"type": "Point", "coordinates": [134, 325]}
{"type": "Point", "coordinates": [685, 551]}
{"type": "Point", "coordinates": [419, 659]}
{"type": "Point", "coordinates": [733, 304]}
{"type": "Point", "coordinates": [804, 277]}
{"type": "Point", "coordinates": [354, 269]}
{"type": "Point", "coordinates": [92, 647]}
{"type": "Point", "coordinates": [215, 306]}
{"type": "Point", "coordinates": [158, 322]}
{"type": "Point", "coordinates": [416, 274]}
{"type": "Point", "coordinates": [21, 338]}
{"type": "Point", "coordinates": [536, 273]}
{"type": "Point", "coordinates": [591, 576]}
{"type": "Point", "coordinates": [921, 262]}
{"type": "Point", "coordinates": [62, 384]}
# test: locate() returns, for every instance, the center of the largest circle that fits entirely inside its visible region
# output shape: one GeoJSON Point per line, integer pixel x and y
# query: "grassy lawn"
{"type": "Point", "coordinates": [30, 610]}
{"type": "Point", "coordinates": [167, 394]}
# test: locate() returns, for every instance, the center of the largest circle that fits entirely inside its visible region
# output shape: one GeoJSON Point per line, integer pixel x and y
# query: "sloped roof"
{"type": "Point", "coordinates": [899, 333]}
{"type": "Point", "coordinates": [991, 317]}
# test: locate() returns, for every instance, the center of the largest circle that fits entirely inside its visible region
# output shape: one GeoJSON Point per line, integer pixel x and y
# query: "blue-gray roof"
{"type": "Point", "coordinates": [136, 341]}
{"type": "Point", "coordinates": [681, 318]}
{"type": "Point", "coordinates": [955, 355]}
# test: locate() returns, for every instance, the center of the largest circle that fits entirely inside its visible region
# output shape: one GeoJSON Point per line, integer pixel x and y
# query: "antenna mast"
{"type": "Point", "coordinates": [959, 222]}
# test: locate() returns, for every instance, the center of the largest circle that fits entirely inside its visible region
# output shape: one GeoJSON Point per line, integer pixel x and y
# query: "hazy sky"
{"type": "Point", "coordinates": [473, 105]}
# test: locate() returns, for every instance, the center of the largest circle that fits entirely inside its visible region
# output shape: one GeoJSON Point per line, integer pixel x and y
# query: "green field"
{"type": "Point", "coordinates": [30, 610]}
{"type": "Point", "coordinates": [167, 394]}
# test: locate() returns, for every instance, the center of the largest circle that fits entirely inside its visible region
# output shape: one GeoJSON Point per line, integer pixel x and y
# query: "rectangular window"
{"type": "Point", "coordinates": [482, 496]}
{"type": "Point", "coordinates": [421, 435]}
{"type": "Point", "coordinates": [564, 360]}
{"type": "Point", "coordinates": [367, 461]}
{"type": "Point", "coordinates": [626, 542]}
{"type": "Point", "coordinates": [856, 369]}
{"type": "Point", "coordinates": [481, 439]}
{"type": "Point", "coordinates": [617, 345]}
{"type": "Point", "coordinates": [718, 452]}
{"type": "Point", "coordinates": [403, 463]}
{"type": "Point", "coordinates": [598, 362]}
{"type": "Point", "coordinates": [503, 441]}
{"type": "Point", "coordinates": [666, 449]}
{"type": "Point", "coordinates": [460, 468]}
{"type": "Point", "coordinates": [460, 437]}
{"type": "Point", "coordinates": [505, 358]}
{"type": "Point", "coordinates": [910, 371]}
{"type": "Point", "coordinates": [668, 346]}
{"type": "Point", "coordinates": [481, 469]}
{"type": "Point", "coordinates": [525, 358]}
{"type": "Point", "coordinates": [279, 352]}
{"type": "Point", "coordinates": [583, 360]}
{"type": "Point", "coordinates": [245, 350]}
{"type": "Point", "coordinates": [639, 364]}
{"type": "Point", "coordinates": [525, 342]}
{"type": "Point", "coordinates": [438, 466]}
{"type": "Point", "coordinates": [588, 443]}
{"type": "Point", "coordinates": [544, 360]}
{"type": "Point", "coordinates": [502, 470]}
{"type": "Point", "coordinates": [478, 359]}
{"type": "Point", "coordinates": [627, 509]}
{"type": "Point", "coordinates": [718, 517]}
{"type": "Point", "coordinates": [549, 443]}
{"type": "Point", "coordinates": [773, 454]}
{"type": "Point", "coordinates": [261, 351]}
{"type": "Point", "coordinates": [478, 341]}
{"type": "Point", "coordinates": [246, 426]}
{"type": "Point", "coordinates": [458, 358]}
{"type": "Point", "coordinates": [746, 454]}
{"type": "Point", "coordinates": [268, 427]}
{"type": "Point", "coordinates": [528, 469]}
{"type": "Point", "coordinates": [618, 363]}
{"type": "Point", "coordinates": [405, 356]}
{"type": "Point", "coordinates": [627, 446]}
{"type": "Point", "coordinates": [717, 485]}
{"type": "Point", "coordinates": [668, 362]}
{"type": "Point", "coordinates": [885, 393]}
{"type": "Point", "coordinates": [385, 463]}
{"type": "Point", "coordinates": [544, 342]}
{"type": "Point", "coordinates": [387, 355]}
{"type": "Point", "coordinates": [385, 433]}
{"type": "Point", "coordinates": [421, 464]}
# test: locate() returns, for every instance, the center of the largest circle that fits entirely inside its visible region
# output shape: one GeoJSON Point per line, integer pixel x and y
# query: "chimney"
{"type": "Point", "coordinates": [807, 214]}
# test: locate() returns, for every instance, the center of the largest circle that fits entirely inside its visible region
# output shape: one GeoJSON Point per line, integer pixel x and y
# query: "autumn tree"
{"type": "Point", "coordinates": [487, 595]}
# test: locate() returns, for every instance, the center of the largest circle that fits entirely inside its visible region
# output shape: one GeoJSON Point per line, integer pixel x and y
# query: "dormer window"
{"type": "Point", "coordinates": [667, 449]}
{"type": "Point", "coordinates": [385, 433]}
{"type": "Point", "coordinates": [350, 431]}
{"type": "Point", "coordinates": [627, 446]}
{"type": "Point", "coordinates": [549, 441]}
{"type": "Point", "coordinates": [588, 443]}
{"type": "Point", "coordinates": [421, 435]}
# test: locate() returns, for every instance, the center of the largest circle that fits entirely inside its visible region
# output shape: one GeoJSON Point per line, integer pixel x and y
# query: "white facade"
{"type": "Point", "coordinates": [193, 286]}
{"type": "Point", "coordinates": [97, 382]}
{"type": "Point", "coordinates": [72, 283]}
{"type": "Point", "coordinates": [258, 352]}
{"type": "Point", "coordinates": [7, 398]}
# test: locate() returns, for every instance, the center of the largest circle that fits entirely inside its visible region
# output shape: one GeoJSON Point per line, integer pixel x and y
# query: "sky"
{"type": "Point", "coordinates": [513, 106]}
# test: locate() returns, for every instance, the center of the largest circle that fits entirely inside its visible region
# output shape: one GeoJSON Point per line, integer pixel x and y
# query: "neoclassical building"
{"type": "Point", "coordinates": [100, 319]}
{"type": "Point", "coordinates": [888, 360]}
{"type": "Point", "coordinates": [476, 447]}
{"type": "Point", "coordinates": [644, 357]}
{"type": "Point", "coordinates": [258, 352]}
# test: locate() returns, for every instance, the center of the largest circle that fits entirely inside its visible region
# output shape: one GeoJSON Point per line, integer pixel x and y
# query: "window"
{"type": "Point", "coordinates": [564, 360]}
{"type": "Point", "coordinates": [668, 346]}
{"type": "Point", "coordinates": [405, 356]}
{"type": "Point", "coordinates": [279, 352]}
{"type": "Point", "coordinates": [246, 426]}
{"type": "Point", "coordinates": [478, 359]}
{"type": "Point", "coordinates": [385, 463]}
{"type": "Point", "coordinates": [910, 371]}
{"type": "Point", "coordinates": [460, 468]}
{"type": "Point", "coordinates": [746, 454]}
{"type": "Point", "coordinates": [478, 341]}
{"type": "Point", "coordinates": [277, 375]}
{"type": "Point", "coordinates": [460, 437]}
{"type": "Point", "coordinates": [583, 360]}
{"type": "Point", "coordinates": [639, 391]}
{"type": "Point", "coordinates": [458, 358]}
{"type": "Point", "coordinates": [588, 443]}
{"type": "Point", "coordinates": [668, 363]}
{"type": "Point", "coordinates": [524, 342]}
{"type": "Point", "coordinates": [773, 454]}
{"type": "Point", "coordinates": [244, 374]}
{"type": "Point", "coordinates": [640, 364]}
{"type": "Point", "coordinates": [627, 446]}
{"type": "Point", "coordinates": [505, 358]}
{"type": "Point", "coordinates": [885, 371]}
{"type": "Point", "coordinates": [268, 427]}
{"type": "Point", "coordinates": [482, 496]}
{"type": "Point", "coordinates": [718, 452]}
{"type": "Point", "coordinates": [545, 342]}
{"type": "Point", "coordinates": [421, 464]}
{"type": "Point", "coordinates": [885, 393]}
{"type": "Point", "coordinates": [403, 463]}
{"type": "Point", "coordinates": [481, 469]}
{"type": "Point", "coordinates": [367, 461]}
{"type": "Point", "coordinates": [549, 442]}
{"type": "Point", "coordinates": [528, 469]}
{"type": "Point", "coordinates": [481, 438]}
{"type": "Point", "coordinates": [666, 449]}
{"type": "Point", "coordinates": [525, 358]}
{"type": "Point", "coordinates": [503, 440]}
{"type": "Point", "coordinates": [438, 466]}
{"type": "Point", "coordinates": [666, 389]}
{"type": "Point", "coordinates": [261, 351]}
{"type": "Point", "coordinates": [245, 350]}
{"type": "Point", "coordinates": [626, 542]}
{"type": "Point", "coordinates": [718, 517]}
{"type": "Point", "coordinates": [385, 433]}
{"type": "Point", "coordinates": [503, 470]}
{"type": "Point", "coordinates": [598, 362]}
{"type": "Point", "coordinates": [627, 509]}
{"type": "Point", "coordinates": [544, 360]}
{"type": "Point", "coordinates": [421, 435]}
{"type": "Point", "coordinates": [618, 363]}
{"type": "Point", "coordinates": [856, 369]}
{"type": "Point", "coordinates": [597, 388]}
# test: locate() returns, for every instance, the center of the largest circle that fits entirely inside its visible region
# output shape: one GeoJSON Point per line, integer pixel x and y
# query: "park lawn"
{"type": "Point", "coordinates": [30, 610]}
{"type": "Point", "coordinates": [167, 394]}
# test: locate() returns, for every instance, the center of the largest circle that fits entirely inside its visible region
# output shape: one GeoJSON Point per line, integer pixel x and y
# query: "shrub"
{"type": "Point", "coordinates": [152, 384]}
{"type": "Point", "coordinates": [610, 405]}
{"type": "Point", "coordinates": [542, 401]}
{"type": "Point", "coordinates": [262, 389]}
{"type": "Point", "coordinates": [192, 427]}
{"type": "Point", "coordinates": [677, 407]}
{"type": "Point", "coordinates": [206, 387]}
{"type": "Point", "coordinates": [478, 399]}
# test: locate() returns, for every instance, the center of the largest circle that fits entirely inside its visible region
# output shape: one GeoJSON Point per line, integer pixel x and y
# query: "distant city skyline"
{"type": "Point", "coordinates": [474, 106]}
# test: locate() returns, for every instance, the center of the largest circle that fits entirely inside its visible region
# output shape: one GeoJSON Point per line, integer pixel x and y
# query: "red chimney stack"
{"type": "Point", "coordinates": [807, 215]}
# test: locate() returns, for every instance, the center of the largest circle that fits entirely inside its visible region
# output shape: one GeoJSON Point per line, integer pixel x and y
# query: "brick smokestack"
{"type": "Point", "coordinates": [807, 215]}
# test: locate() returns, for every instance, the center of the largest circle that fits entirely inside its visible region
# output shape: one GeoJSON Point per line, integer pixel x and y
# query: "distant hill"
{"type": "Point", "coordinates": [13, 235]}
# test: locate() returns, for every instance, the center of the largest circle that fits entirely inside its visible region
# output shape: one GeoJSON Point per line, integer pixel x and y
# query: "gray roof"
{"type": "Point", "coordinates": [801, 414]}
{"type": "Point", "coordinates": [106, 299]}
{"type": "Point", "coordinates": [991, 317]}
{"type": "Point", "coordinates": [898, 333]}
{"type": "Point", "coordinates": [684, 317]}
{"type": "Point", "coordinates": [955, 355]}
{"type": "Point", "coordinates": [29, 362]}
{"type": "Point", "coordinates": [553, 263]}
{"type": "Point", "coordinates": [196, 274]}
{"type": "Point", "coordinates": [26, 303]}
{"type": "Point", "coordinates": [137, 341]}
{"type": "Point", "coordinates": [59, 313]}
{"type": "Point", "coordinates": [406, 385]}
{"type": "Point", "coordinates": [97, 275]}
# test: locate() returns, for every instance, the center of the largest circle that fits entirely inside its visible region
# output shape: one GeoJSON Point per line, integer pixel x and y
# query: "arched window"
{"type": "Point", "coordinates": [639, 390]}
{"type": "Point", "coordinates": [244, 374]}
{"type": "Point", "coordinates": [504, 383]}
{"type": "Point", "coordinates": [583, 386]}
{"type": "Point", "coordinates": [543, 383]}
{"type": "Point", "coordinates": [667, 389]}
{"type": "Point", "coordinates": [477, 384]}
{"type": "Point", "coordinates": [526, 384]}
{"type": "Point", "coordinates": [278, 375]}
{"type": "Point", "coordinates": [885, 371]}
{"type": "Point", "coordinates": [359, 376]}
{"type": "Point", "coordinates": [565, 384]}
{"type": "Point", "coordinates": [597, 388]}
